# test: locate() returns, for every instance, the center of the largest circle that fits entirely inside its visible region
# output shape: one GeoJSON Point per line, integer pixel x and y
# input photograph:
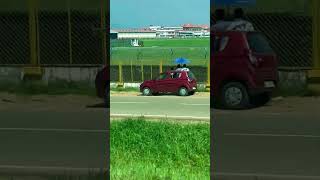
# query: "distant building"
{"type": "Point", "coordinates": [191, 27]}
{"type": "Point", "coordinates": [154, 28]}
{"type": "Point", "coordinates": [113, 34]}
{"type": "Point", "coordinates": [184, 31]}
{"type": "Point", "coordinates": [136, 34]}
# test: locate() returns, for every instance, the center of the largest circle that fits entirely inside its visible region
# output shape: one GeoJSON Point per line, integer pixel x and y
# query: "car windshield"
{"type": "Point", "coordinates": [191, 75]}
{"type": "Point", "coordinates": [162, 76]}
{"type": "Point", "coordinates": [258, 43]}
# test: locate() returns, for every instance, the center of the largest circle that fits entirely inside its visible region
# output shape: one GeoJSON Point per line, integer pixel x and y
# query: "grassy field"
{"type": "Point", "coordinates": [194, 42]}
{"type": "Point", "coordinates": [165, 50]}
{"type": "Point", "coordinates": [143, 149]}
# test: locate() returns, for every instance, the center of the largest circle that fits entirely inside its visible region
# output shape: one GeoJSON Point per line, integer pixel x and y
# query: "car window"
{"type": "Point", "coordinates": [176, 75]}
{"type": "Point", "coordinates": [191, 75]}
{"type": "Point", "coordinates": [162, 76]}
{"type": "Point", "coordinates": [258, 43]}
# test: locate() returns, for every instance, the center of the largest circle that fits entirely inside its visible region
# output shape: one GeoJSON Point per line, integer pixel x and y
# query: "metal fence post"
{"type": "Point", "coordinates": [33, 32]}
{"type": "Point", "coordinates": [151, 71]}
{"type": "Point", "coordinates": [316, 33]}
{"type": "Point", "coordinates": [208, 76]}
{"type": "Point", "coordinates": [120, 83]}
{"type": "Point", "coordinates": [314, 74]}
{"type": "Point", "coordinates": [70, 32]}
{"type": "Point", "coordinates": [104, 30]}
{"type": "Point", "coordinates": [142, 74]}
{"type": "Point", "coordinates": [35, 69]}
{"type": "Point", "coordinates": [131, 71]}
{"type": "Point", "coordinates": [160, 66]}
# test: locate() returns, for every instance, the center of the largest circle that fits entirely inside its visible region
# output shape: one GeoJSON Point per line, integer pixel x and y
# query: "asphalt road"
{"type": "Point", "coordinates": [281, 141]}
{"type": "Point", "coordinates": [51, 137]}
{"type": "Point", "coordinates": [191, 107]}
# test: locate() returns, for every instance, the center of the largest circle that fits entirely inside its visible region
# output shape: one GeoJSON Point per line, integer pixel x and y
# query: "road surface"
{"type": "Point", "coordinates": [51, 135]}
{"type": "Point", "coordinates": [280, 140]}
{"type": "Point", "coordinates": [192, 107]}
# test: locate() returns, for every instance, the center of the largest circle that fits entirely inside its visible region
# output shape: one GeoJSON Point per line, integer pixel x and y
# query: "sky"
{"type": "Point", "coordinates": [143, 13]}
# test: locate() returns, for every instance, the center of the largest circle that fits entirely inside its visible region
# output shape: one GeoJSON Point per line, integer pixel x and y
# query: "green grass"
{"type": "Point", "coordinates": [60, 87]}
{"type": "Point", "coordinates": [143, 149]}
{"type": "Point", "coordinates": [169, 43]}
{"type": "Point", "coordinates": [165, 50]}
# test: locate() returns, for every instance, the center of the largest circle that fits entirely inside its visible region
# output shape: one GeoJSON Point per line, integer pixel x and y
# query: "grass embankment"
{"type": "Point", "coordinates": [143, 149]}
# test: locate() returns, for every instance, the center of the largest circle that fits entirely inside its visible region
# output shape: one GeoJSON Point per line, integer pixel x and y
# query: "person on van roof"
{"type": "Point", "coordinates": [221, 24]}
{"type": "Point", "coordinates": [239, 23]}
{"type": "Point", "coordinates": [184, 68]}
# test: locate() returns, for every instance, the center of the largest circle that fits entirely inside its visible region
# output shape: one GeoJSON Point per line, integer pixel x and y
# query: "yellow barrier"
{"type": "Point", "coordinates": [208, 76]}
{"type": "Point", "coordinates": [120, 83]}
{"type": "Point", "coordinates": [160, 67]}
{"type": "Point", "coordinates": [142, 74]}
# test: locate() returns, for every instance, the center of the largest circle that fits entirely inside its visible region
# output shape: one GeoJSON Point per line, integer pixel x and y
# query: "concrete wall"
{"type": "Point", "coordinates": [294, 80]}
{"type": "Point", "coordinates": [84, 75]}
{"type": "Point", "coordinates": [133, 35]}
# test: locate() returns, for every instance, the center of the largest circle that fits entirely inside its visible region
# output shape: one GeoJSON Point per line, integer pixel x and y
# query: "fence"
{"type": "Point", "coordinates": [138, 73]}
{"type": "Point", "coordinates": [67, 32]}
{"type": "Point", "coordinates": [130, 64]}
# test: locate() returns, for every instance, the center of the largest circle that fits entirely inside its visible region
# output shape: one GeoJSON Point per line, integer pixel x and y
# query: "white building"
{"type": "Point", "coordinates": [136, 34]}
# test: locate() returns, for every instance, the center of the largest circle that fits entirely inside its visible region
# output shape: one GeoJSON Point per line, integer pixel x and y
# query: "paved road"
{"type": "Point", "coordinates": [282, 140]}
{"type": "Point", "coordinates": [171, 106]}
{"type": "Point", "coordinates": [57, 137]}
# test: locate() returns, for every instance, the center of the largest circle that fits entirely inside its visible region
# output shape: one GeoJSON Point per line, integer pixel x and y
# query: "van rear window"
{"type": "Point", "coordinates": [258, 43]}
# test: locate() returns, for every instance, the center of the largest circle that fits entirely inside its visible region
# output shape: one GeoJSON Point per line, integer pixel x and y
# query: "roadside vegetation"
{"type": "Point", "coordinates": [142, 149]}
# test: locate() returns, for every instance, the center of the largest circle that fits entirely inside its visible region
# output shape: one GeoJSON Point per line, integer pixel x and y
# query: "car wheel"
{"type": "Point", "coordinates": [183, 91]}
{"type": "Point", "coordinates": [234, 95]}
{"type": "Point", "coordinates": [146, 91]}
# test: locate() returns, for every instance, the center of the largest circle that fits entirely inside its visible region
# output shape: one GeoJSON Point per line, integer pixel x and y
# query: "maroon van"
{"type": "Point", "coordinates": [181, 82]}
{"type": "Point", "coordinates": [244, 69]}
{"type": "Point", "coordinates": [101, 82]}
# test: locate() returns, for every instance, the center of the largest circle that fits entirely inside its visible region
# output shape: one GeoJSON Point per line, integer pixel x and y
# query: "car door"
{"type": "Point", "coordinates": [162, 84]}
{"type": "Point", "coordinates": [266, 68]}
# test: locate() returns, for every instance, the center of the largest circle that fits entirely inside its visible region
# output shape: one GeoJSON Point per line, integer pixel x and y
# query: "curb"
{"type": "Point", "coordinates": [190, 118]}
{"type": "Point", "coordinates": [47, 170]}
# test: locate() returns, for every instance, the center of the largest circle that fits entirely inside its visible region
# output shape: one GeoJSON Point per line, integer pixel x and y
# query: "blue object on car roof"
{"type": "Point", "coordinates": [233, 2]}
{"type": "Point", "coordinates": [182, 61]}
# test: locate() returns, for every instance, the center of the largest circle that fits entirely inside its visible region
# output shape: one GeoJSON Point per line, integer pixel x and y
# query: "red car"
{"type": "Point", "coordinates": [244, 69]}
{"type": "Point", "coordinates": [181, 82]}
{"type": "Point", "coordinates": [101, 83]}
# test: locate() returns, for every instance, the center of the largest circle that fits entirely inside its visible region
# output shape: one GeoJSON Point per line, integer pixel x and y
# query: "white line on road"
{"type": "Point", "coordinates": [54, 130]}
{"type": "Point", "coordinates": [272, 135]}
{"type": "Point", "coordinates": [186, 104]}
{"type": "Point", "coordinates": [264, 176]}
{"type": "Point", "coordinates": [161, 116]}
{"type": "Point", "coordinates": [129, 102]}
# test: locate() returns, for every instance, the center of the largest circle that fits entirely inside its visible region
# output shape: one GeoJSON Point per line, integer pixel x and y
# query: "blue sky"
{"type": "Point", "coordinates": [142, 13]}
